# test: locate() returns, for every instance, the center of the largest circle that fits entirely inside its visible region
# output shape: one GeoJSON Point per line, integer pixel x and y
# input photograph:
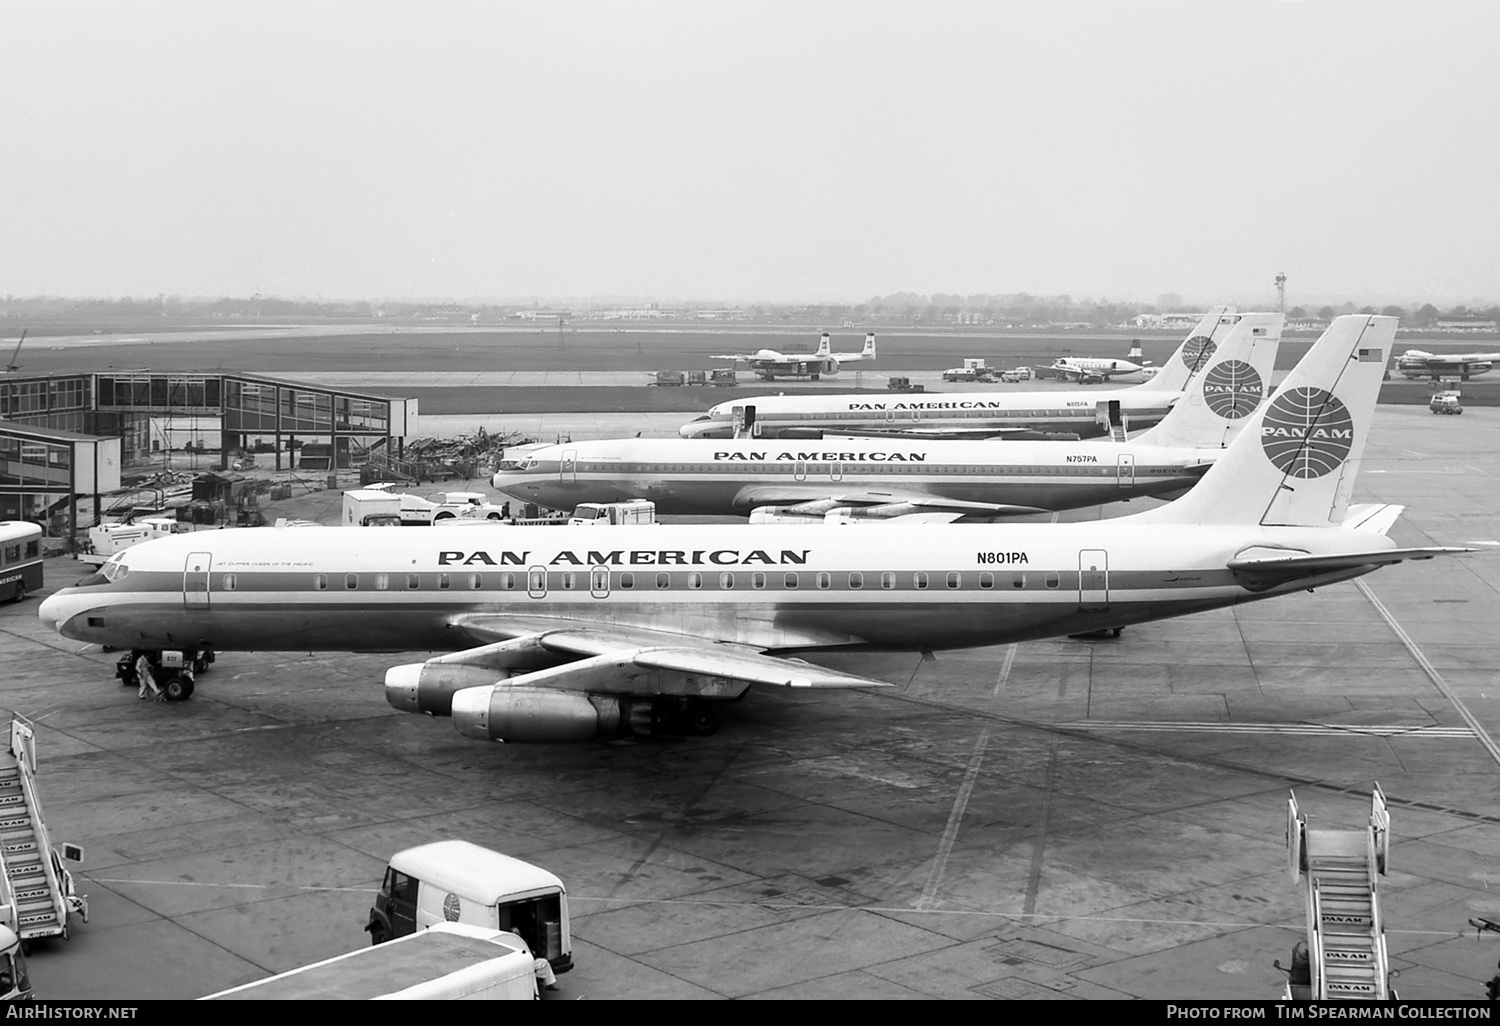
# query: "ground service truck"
{"type": "Point", "coordinates": [459, 882]}
{"type": "Point", "coordinates": [450, 962]}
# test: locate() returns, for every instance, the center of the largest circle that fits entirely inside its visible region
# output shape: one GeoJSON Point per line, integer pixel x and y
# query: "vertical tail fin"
{"type": "Point", "coordinates": [825, 345]}
{"type": "Point", "coordinates": [1295, 461]}
{"type": "Point", "coordinates": [1218, 402]}
{"type": "Point", "coordinates": [1193, 354]}
{"type": "Point", "coordinates": [869, 349]}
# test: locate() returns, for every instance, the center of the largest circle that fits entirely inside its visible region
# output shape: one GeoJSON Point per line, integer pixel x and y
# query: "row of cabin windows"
{"type": "Point", "coordinates": [861, 415]}
{"type": "Point", "coordinates": [820, 468]}
{"type": "Point", "coordinates": [599, 580]}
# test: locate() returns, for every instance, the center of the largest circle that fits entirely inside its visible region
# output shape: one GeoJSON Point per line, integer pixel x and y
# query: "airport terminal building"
{"type": "Point", "coordinates": [67, 439]}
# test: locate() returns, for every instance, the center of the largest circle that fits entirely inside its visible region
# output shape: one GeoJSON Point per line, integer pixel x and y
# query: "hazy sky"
{"type": "Point", "coordinates": [718, 149]}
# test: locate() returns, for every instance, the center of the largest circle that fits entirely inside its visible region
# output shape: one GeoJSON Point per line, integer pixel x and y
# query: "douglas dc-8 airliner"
{"type": "Point", "coordinates": [572, 634]}
{"type": "Point", "coordinates": [973, 414]}
{"type": "Point", "coordinates": [891, 477]}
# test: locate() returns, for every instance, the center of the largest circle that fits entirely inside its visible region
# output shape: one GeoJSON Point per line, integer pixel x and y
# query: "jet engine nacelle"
{"type": "Point", "coordinates": [522, 715]}
{"type": "Point", "coordinates": [429, 687]}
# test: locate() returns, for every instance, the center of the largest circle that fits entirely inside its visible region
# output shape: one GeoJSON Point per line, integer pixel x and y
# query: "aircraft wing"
{"type": "Point", "coordinates": [592, 647]}
{"type": "Point", "coordinates": [818, 499]}
{"type": "Point", "coordinates": [1261, 572]}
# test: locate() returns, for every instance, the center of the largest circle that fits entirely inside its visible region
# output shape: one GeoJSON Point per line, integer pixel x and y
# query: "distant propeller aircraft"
{"type": "Point", "coordinates": [770, 364]}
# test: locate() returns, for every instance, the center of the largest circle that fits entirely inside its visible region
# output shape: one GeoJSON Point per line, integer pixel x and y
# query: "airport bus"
{"type": "Point", "coordinates": [20, 559]}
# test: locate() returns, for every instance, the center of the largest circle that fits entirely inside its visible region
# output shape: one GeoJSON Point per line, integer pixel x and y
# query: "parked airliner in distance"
{"type": "Point", "coordinates": [770, 365]}
{"type": "Point", "coordinates": [1088, 370]}
{"type": "Point", "coordinates": [1414, 363]}
{"type": "Point", "coordinates": [560, 634]}
{"type": "Point", "coordinates": [987, 414]}
{"type": "Point", "coordinates": [897, 476]}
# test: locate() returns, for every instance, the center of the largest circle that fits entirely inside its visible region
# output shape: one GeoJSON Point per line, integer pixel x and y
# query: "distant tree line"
{"type": "Point", "coordinates": [901, 309]}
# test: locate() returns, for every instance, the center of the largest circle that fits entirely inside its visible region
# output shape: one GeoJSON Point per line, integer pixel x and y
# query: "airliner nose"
{"type": "Point", "coordinates": [50, 611]}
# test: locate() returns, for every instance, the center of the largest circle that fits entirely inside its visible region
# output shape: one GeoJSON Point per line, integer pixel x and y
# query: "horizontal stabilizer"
{"type": "Point", "coordinates": [1262, 572]}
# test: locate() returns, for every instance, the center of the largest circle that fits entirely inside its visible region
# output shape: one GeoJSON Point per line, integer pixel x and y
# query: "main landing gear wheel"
{"type": "Point", "coordinates": [701, 720]}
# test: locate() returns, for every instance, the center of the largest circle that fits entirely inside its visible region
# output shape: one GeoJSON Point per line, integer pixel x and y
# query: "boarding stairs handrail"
{"type": "Point", "coordinates": [1315, 941]}
{"type": "Point", "coordinates": [1381, 961]}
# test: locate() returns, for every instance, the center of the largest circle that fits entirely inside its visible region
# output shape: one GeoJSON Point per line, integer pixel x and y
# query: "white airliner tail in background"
{"type": "Point", "coordinates": [1295, 462]}
{"type": "Point", "coordinates": [1192, 356]}
{"type": "Point", "coordinates": [1235, 378]}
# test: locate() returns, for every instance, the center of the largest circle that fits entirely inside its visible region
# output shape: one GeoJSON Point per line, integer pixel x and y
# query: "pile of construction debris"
{"type": "Point", "coordinates": [435, 459]}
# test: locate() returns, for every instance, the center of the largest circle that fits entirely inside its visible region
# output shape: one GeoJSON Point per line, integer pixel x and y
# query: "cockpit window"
{"type": "Point", "coordinates": [93, 580]}
{"type": "Point", "coordinates": [114, 570]}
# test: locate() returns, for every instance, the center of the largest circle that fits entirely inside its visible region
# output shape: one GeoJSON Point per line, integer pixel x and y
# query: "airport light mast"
{"type": "Point", "coordinates": [1281, 292]}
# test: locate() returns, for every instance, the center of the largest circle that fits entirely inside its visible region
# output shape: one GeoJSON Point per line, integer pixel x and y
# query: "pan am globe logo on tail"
{"type": "Point", "coordinates": [1196, 351]}
{"type": "Point", "coordinates": [1232, 389]}
{"type": "Point", "coordinates": [1307, 433]}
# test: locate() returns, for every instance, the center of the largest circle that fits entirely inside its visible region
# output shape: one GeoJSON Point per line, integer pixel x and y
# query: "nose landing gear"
{"type": "Point", "coordinates": [174, 670]}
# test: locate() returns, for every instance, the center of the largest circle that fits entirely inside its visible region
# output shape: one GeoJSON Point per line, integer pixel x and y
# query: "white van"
{"type": "Point", "coordinates": [459, 882]}
{"type": "Point", "coordinates": [606, 514]}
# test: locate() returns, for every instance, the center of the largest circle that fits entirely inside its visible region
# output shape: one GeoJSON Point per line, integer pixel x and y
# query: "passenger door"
{"type": "Point", "coordinates": [1093, 580]}
{"type": "Point", "coordinates": [568, 468]}
{"type": "Point", "coordinates": [195, 580]}
{"type": "Point", "coordinates": [1126, 471]}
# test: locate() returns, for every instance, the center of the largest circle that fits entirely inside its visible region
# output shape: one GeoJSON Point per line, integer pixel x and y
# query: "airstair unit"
{"type": "Point", "coordinates": [37, 895]}
{"type": "Point", "coordinates": [1340, 872]}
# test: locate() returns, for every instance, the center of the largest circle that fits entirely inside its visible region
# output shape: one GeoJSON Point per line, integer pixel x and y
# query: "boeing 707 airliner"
{"type": "Point", "coordinates": [972, 414]}
{"type": "Point", "coordinates": [890, 477]}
